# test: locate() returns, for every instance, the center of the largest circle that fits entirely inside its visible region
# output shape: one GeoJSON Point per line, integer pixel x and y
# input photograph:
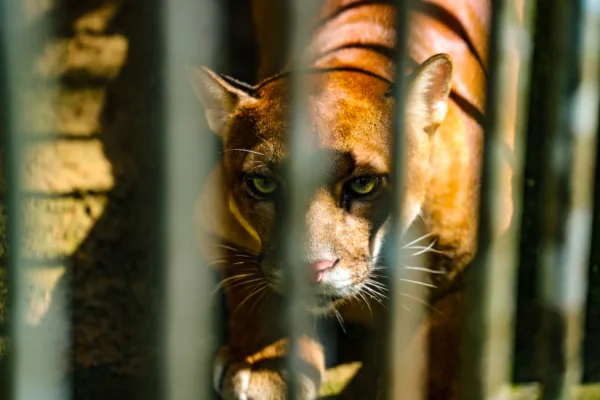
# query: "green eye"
{"type": "Point", "coordinates": [363, 185]}
{"type": "Point", "coordinates": [263, 185]}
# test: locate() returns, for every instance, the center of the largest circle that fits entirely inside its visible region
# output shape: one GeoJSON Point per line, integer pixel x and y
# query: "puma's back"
{"type": "Point", "coordinates": [362, 34]}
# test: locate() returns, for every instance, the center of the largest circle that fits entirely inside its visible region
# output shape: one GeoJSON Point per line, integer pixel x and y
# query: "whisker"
{"type": "Point", "coordinates": [233, 256]}
{"type": "Point", "coordinates": [377, 285]}
{"type": "Point", "coordinates": [417, 240]}
{"type": "Point", "coordinates": [254, 293]}
{"type": "Point", "coordinates": [262, 295]}
{"type": "Point", "coordinates": [245, 151]}
{"type": "Point", "coordinates": [380, 276]}
{"type": "Point", "coordinates": [245, 283]}
{"type": "Point", "coordinates": [431, 271]}
{"type": "Point", "coordinates": [240, 251]}
{"type": "Point", "coordinates": [230, 257]}
{"type": "Point", "coordinates": [375, 282]}
{"type": "Point", "coordinates": [428, 247]}
{"type": "Point", "coordinates": [247, 265]}
{"type": "Point", "coordinates": [368, 292]}
{"type": "Point", "coordinates": [364, 299]}
{"type": "Point", "coordinates": [226, 247]}
{"type": "Point", "coordinates": [418, 282]}
{"type": "Point", "coordinates": [420, 301]}
{"type": "Point", "coordinates": [425, 250]}
{"type": "Point", "coordinates": [231, 278]}
{"type": "Point", "coordinates": [246, 269]}
{"type": "Point", "coordinates": [374, 294]}
{"type": "Point", "coordinates": [340, 319]}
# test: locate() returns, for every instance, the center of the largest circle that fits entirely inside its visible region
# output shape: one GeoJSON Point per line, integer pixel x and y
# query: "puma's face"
{"type": "Point", "coordinates": [349, 125]}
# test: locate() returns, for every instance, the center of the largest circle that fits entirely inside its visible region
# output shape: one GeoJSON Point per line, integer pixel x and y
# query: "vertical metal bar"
{"type": "Point", "coordinates": [561, 288]}
{"type": "Point", "coordinates": [589, 92]}
{"type": "Point", "coordinates": [492, 285]}
{"type": "Point", "coordinates": [191, 30]}
{"type": "Point", "coordinates": [400, 330]}
{"type": "Point", "coordinates": [37, 359]}
{"type": "Point", "coordinates": [586, 171]}
{"type": "Point", "coordinates": [564, 285]}
{"type": "Point", "coordinates": [300, 183]}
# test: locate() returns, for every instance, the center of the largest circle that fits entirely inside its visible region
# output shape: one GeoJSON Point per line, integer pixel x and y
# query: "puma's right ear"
{"type": "Point", "coordinates": [430, 89]}
{"type": "Point", "coordinates": [219, 95]}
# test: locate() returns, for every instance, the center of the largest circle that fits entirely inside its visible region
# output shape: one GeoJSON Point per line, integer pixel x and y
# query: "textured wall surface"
{"type": "Point", "coordinates": [91, 180]}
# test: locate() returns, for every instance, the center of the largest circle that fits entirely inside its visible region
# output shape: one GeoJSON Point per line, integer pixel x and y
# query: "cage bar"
{"type": "Point", "coordinates": [585, 176]}
{"type": "Point", "coordinates": [591, 72]}
{"type": "Point", "coordinates": [36, 363]}
{"type": "Point", "coordinates": [562, 285]}
{"type": "Point", "coordinates": [561, 266]}
{"type": "Point", "coordinates": [492, 283]}
{"type": "Point", "coordinates": [191, 35]}
{"type": "Point", "coordinates": [405, 363]}
{"type": "Point", "coordinates": [300, 184]}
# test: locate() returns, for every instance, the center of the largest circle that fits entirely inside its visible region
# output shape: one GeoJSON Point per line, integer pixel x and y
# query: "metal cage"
{"type": "Point", "coordinates": [546, 255]}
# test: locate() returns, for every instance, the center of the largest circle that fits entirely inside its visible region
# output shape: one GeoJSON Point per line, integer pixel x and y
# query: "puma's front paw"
{"type": "Point", "coordinates": [263, 380]}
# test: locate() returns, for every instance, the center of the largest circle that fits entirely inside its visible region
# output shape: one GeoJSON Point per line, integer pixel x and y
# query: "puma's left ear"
{"type": "Point", "coordinates": [430, 89]}
{"type": "Point", "coordinates": [220, 95]}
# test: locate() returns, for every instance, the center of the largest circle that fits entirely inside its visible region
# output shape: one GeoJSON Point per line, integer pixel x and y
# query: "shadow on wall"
{"type": "Point", "coordinates": [94, 181]}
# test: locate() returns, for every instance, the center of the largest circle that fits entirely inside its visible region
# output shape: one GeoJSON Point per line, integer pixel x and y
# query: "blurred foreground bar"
{"type": "Point", "coordinates": [565, 214]}
{"type": "Point", "coordinates": [37, 359]}
{"type": "Point", "coordinates": [301, 182]}
{"type": "Point", "coordinates": [191, 33]}
{"type": "Point", "coordinates": [407, 358]}
{"type": "Point", "coordinates": [492, 282]}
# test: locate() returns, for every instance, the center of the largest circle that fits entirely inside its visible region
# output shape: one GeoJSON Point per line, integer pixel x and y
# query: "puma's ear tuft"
{"type": "Point", "coordinates": [220, 96]}
{"type": "Point", "coordinates": [430, 88]}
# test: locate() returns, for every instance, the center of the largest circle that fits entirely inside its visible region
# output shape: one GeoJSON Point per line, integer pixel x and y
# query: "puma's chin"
{"type": "Point", "coordinates": [324, 305]}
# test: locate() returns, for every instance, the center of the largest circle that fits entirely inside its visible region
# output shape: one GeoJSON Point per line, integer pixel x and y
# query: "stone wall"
{"type": "Point", "coordinates": [91, 180]}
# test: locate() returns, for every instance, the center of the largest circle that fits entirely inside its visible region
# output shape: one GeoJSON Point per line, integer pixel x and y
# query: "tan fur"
{"type": "Point", "coordinates": [350, 119]}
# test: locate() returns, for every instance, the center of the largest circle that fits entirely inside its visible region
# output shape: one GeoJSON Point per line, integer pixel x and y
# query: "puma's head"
{"type": "Point", "coordinates": [350, 118]}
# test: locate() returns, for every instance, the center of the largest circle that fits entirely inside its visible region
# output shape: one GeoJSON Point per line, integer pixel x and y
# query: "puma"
{"type": "Point", "coordinates": [350, 113]}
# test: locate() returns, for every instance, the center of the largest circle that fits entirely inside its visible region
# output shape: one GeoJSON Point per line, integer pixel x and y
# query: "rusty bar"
{"type": "Point", "coordinates": [192, 30]}
{"type": "Point", "coordinates": [492, 281]}
{"type": "Point", "coordinates": [36, 363]}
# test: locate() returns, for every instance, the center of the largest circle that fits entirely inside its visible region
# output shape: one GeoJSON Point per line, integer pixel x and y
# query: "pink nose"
{"type": "Point", "coordinates": [318, 269]}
